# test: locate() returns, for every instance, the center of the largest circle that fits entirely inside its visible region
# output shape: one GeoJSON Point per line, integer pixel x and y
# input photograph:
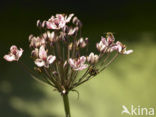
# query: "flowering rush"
{"type": "Point", "coordinates": [60, 53]}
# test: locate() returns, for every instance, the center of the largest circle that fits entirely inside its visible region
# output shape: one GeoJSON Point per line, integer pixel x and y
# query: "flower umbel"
{"type": "Point", "coordinates": [60, 53]}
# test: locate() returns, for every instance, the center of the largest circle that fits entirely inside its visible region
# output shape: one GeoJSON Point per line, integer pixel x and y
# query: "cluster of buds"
{"type": "Point", "coordinates": [60, 53]}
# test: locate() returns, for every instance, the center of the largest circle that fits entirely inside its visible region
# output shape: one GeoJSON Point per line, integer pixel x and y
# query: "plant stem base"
{"type": "Point", "coordinates": [66, 105]}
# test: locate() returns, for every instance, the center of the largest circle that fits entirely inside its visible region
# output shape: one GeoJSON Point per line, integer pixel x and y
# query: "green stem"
{"type": "Point", "coordinates": [66, 105]}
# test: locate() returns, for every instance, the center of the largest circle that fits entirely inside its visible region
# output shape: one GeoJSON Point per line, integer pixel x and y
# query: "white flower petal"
{"type": "Point", "coordinates": [10, 57]}
{"type": "Point", "coordinates": [42, 52]}
{"type": "Point", "coordinates": [69, 17]}
{"type": "Point", "coordinates": [104, 41]}
{"type": "Point", "coordinates": [49, 25]}
{"type": "Point", "coordinates": [128, 52]}
{"type": "Point", "coordinates": [20, 52]}
{"type": "Point", "coordinates": [51, 59]}
{"type": "Point", "coordinates": [71, 62]}
{"type": "Point", "coordinates": [13, 48]}
{"type": "Point", "coordinates": [82, 59]}
{"type": "Point", "coordinates": [39, 62]}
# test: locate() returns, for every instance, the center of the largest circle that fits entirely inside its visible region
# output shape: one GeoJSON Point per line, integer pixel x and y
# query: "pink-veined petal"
{"type": "Point", "coordinates": [39, 62]}
{"type": "Point", "coordinates": [71, 62]}
{"type": "Point", "coordinates": [82, 67]}
{"type": "Point", "coordinates": [51, 59]}
{"type": "Point", "coordinates": [42, 53]}
{"type": "Point", "coordinates": [82, 59]}
{"type": "Point", "coordinates": [49, 25]}
{"type": "Point", "coordinates": [104, 41]}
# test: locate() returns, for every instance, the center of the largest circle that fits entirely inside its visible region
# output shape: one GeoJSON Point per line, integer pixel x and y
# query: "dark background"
{"type": "Point", "coordinates": [132, 22]}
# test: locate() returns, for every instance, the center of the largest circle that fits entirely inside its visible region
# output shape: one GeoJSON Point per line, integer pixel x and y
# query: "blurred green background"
{"type": "Point", "coordinates": [130, 80]}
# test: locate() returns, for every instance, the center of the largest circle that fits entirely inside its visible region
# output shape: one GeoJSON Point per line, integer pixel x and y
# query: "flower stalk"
{"type": "Point", "coordinates": [66, 105]}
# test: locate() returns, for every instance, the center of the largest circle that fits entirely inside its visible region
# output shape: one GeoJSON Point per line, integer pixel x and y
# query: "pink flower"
{"type": "Point", "coordinates": [100, 46]}
{"type": "Point", "coordinates": [105, 45]}
{"type": "Point", "coordinates": [59, 21]}
{"type": "Point", "coordinates": [121, 48]}
{"type": "Point", "coordinates": [78, 64]}
{"type": "Point", "coordinates": [36, 41]}
{"type": "Point", "coordinates": [14, 54]}
{"type": "Point", "coordinates": [43, 59]}
{"type": "Point", "coordinates": [92, 58]}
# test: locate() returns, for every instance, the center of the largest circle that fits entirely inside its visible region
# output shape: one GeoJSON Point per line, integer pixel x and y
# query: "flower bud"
{"type": "Point", "coordinates": [38, 23]}
{"type": "Point", "coordinates": [34, 53]}
{"type": "Point", "coordinates": [43, 24]}
{"type": "Point", "coordinates": [30, 37]}
{"type": "Point", "coordinates": [92, 58]}
{"type": "Point", "coordinates": [100, 46]}
{"type": "Point", "coordinates": [77, 22]}
{"type": "Point", "coordinates": [51, 36]}
{"type": "Point", "coordinates": [70, 46]}
{"type": "Point", "coordinates": [81, 43]}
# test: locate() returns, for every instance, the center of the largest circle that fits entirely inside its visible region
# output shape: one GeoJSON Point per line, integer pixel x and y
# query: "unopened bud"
{"type": "Point", "coordinates": [92, 58]}
{"type": "Point", "coordinates": [81, 43]}
{"type": "Point", "coordinates": [30, 37]}
{"type": "Point", "coordinates": [43, 24]}
{"type": "Point", "coordinates": [86, 40]}
{"type": "Point", "coordinates": [51, 36]}
{"type": "Point", "coordinates": [77, 22]}
{"type": "Point", "coordinates": [38, 23]}
{"type": "Point", "coordinates": [70, 46]}
{"type": "Point", "coordinates": [34, 53]}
